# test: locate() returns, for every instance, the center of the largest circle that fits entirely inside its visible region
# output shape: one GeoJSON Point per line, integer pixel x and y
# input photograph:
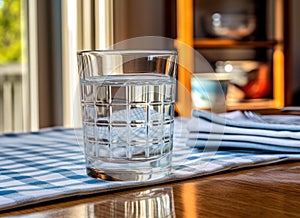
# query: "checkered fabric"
{"type": "Point", "coordinates": [49, 164]}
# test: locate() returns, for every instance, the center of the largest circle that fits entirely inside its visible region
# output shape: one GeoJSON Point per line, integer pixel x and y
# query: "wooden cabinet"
{"type": "Point", "coordinates": [265, 45]}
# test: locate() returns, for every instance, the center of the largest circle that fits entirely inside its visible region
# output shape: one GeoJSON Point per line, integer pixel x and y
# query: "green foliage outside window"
{"type": "Point", "coordinates": [10, 29]}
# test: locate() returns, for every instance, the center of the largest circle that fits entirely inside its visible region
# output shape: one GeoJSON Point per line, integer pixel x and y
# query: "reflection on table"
{"type": "Point", "coordinates": [259, 192]}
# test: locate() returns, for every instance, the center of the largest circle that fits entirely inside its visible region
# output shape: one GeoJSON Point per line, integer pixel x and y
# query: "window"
{"type": "Point", "coordinates": [14, 55]}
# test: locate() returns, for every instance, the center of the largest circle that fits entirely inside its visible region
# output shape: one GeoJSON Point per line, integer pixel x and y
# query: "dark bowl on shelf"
{"type": "Point", "coordinates": [232, 26]}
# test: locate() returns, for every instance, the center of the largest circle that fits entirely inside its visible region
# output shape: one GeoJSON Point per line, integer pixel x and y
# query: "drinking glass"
{"type": "Point", "coordinates": [127, 101]}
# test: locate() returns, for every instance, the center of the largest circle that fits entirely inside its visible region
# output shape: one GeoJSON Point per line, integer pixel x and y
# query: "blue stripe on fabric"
{"type": "Point", "coordinates": [7, 192]}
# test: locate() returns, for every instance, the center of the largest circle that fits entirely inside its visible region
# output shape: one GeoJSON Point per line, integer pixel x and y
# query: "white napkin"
{"type": "Point", "coordinates": [234, 131]}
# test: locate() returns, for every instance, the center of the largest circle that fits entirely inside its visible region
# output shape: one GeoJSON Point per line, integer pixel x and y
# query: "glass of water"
{"type": "Point", "coordinates": [127, 100]}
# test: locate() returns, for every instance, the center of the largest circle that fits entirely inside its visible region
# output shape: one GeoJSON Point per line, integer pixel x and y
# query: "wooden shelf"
{"type": "Point", "coordinates": [252, 104]}
{"type": "Point", "coordinates": [186, 36]}
{"type": "Point", "coordinates": [229, 43]}
{"type": "Point", "coordinates": [255, 104]}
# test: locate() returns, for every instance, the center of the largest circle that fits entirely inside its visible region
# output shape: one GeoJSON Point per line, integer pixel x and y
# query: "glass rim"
{"type": "Point", "coordinates": [130, 51]}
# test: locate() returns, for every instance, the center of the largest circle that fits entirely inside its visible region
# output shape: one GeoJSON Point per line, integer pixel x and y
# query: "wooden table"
{"type": "Point", "coordinates": [270, 191]}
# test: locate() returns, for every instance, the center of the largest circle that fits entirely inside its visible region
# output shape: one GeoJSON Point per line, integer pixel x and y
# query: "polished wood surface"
{"type": "Point", "coordinates": [270, 191]}
{"type": "Point", "coordinates": [183, 43]}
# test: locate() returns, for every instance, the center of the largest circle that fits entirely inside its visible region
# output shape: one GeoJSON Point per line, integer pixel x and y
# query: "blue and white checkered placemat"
{"type": "Point", "coordinates": [49, 164]}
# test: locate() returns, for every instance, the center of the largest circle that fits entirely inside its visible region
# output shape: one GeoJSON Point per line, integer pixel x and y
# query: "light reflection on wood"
{"type": "Point", "coordinates": [189, 200]}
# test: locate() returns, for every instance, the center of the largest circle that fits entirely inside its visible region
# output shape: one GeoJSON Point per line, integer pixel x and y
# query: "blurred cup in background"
{"type": "Point", "coordinates": [209, 91]}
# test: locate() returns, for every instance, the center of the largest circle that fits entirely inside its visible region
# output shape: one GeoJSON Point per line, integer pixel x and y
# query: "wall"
{"type": "Point", "coordinates": [135, 18]}
{"type": "Point", "coordinates": [295, 50]}
{"type": "Point", "coordinates": [49, 63]}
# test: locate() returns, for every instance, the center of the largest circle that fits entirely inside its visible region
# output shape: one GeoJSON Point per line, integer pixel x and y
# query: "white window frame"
{"type": "Point", "coordinates": [77, 34]}
{"type": "Point", "coordinates": [30, 93]}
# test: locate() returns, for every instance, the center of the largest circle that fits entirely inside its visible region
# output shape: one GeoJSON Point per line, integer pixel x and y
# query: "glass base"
{"type": "Point", "coordinates": [130, 171]}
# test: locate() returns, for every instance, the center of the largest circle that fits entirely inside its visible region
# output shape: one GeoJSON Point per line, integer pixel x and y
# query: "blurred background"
{"type": "Point", "coordinates": [257, 41]}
